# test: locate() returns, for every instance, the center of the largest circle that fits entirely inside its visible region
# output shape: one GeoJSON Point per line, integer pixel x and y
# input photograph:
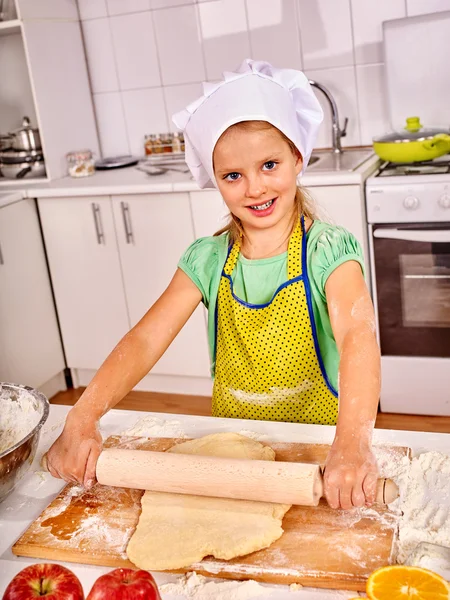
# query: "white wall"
{"type": "Point", "coordinates": [147, 58]}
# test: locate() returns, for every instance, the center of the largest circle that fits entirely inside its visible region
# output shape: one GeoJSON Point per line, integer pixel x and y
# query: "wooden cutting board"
{"type": "Point", "coordinates": [320, 547]}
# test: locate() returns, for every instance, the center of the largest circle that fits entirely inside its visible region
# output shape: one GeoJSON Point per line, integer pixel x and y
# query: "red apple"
{"type": "Point", "coordinates": [49, 581]}
{"type": "Point", "coordinates": [125, 584]}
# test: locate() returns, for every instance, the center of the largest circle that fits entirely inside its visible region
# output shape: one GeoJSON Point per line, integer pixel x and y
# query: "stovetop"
{"type": "Point", "coordinates": [429, 167]}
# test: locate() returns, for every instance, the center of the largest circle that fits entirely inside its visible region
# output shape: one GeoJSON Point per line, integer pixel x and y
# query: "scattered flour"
{"type": "Point", "coordinates": [20, 412]}
{"type": "Point", "coordinates": [424, 501]}
{"type": "Point", "coordinates": [253, 435]}
{"type": "Point", "coordinates": [154, 427]}
{"type": "Point", "coordinates": [198, 587]}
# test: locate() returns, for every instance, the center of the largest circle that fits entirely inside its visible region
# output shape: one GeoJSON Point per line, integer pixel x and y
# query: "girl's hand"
{"type": "Point", "coordinates": [73, 457]}
{"type": "Point", "coordinates": [351, 474]}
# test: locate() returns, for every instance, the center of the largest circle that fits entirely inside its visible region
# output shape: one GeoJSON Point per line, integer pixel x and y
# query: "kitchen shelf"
{"type": "Point", "coordinates": [9, 27]}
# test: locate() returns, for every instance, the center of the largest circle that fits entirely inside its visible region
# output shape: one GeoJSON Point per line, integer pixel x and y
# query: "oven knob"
{"type": "Point", "coordinates": [411, 202]}
{"type": "Point", "coordinates": [444, 201]}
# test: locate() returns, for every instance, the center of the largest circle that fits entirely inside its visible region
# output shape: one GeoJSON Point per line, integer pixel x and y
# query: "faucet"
{"type": "Point", "coordinates": [336, 132]}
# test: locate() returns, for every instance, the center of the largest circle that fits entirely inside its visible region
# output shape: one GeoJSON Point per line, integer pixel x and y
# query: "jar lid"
{"type": "Point", "coordinates": [80, 155]}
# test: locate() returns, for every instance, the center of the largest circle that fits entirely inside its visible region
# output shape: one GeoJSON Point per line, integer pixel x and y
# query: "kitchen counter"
{"type": "Point", "coordinates": [38, 489]}
{"type": "Point", "coordinates": [10, 197]}
{"type": "Point", "coordinates": [129, 180]}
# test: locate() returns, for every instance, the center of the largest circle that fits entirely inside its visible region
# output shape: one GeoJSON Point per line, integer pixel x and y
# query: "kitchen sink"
{"type": "Point", "coordinates": [348, 160]}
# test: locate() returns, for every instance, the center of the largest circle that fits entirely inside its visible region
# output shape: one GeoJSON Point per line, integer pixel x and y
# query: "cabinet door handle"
{"type": "Point", "coordinates": [127, 223]}
{"type": "Point", "coordinates": [2, 262]}
{"type": "Point", "coordinates": [98, 223]}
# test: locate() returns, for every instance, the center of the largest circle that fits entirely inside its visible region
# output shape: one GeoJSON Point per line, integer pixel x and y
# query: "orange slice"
{"type": "Point", "coordinates": [401, 582]}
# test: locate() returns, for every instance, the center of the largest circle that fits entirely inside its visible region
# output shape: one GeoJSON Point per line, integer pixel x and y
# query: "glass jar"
{"type": "Point", "coordinates": [80, 164]}
{"type": "Point", "coordinates": [176, 143]}
{"type": "Point", "coordinates": [148, 143]}
{"type": "Point", "coordinates": [166, 139]}
{"type": "Point", "coordinates": [157, 146]}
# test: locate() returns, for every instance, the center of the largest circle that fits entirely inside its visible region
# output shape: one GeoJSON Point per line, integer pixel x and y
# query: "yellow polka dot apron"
{"type": "Point", "coordinates": [268, 362]}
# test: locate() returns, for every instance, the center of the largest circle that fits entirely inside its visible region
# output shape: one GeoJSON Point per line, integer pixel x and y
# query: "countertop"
{"type": "Point", "coordinates": [9, 197]}
{"type": "Point", "coordinates": [38, 489]}
{"type": "Point", "coordinates": [130, 180]}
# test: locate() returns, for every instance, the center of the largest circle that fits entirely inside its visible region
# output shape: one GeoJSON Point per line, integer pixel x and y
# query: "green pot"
{"type": "Point", "coordinates": [415, 144]}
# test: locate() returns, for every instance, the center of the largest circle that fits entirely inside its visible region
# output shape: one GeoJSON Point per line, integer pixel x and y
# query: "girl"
{"type": "Point", "coordinates": [288, 305]}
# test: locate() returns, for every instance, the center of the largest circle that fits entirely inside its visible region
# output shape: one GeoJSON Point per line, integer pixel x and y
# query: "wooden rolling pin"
{"type": "Point", "coordinates": [268, 481]}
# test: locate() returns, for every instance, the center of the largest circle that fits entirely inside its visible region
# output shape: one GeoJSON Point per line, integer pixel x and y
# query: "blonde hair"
{"type": "Point", "coordinates": [303, 202]}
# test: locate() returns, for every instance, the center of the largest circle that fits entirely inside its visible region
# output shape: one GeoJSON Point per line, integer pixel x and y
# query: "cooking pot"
{"type": "Point", "coordinates": [414, 144]}
{"type": "Point", "coordinates": [5, 141]}
{"type": "Point", "coordinates": [26, 138]}
{"type": "Point", "coordinates": [19, 170]}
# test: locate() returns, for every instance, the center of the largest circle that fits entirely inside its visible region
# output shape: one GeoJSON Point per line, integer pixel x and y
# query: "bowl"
{"type": "Point", "coordinates": [23, 411]}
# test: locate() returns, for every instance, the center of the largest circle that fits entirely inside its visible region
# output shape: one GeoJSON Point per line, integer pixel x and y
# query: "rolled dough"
{"type": "Point", "coordinates": [177, 530]}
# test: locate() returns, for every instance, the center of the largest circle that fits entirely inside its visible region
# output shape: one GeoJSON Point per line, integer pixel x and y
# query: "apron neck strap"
{"type": "Point", "coordinates": [295, 252]}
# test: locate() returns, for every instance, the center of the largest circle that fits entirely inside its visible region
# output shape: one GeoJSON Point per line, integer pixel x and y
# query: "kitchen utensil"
{"type": "Point", "coordinates": [285, 483]}
{"type": "Point", "coordinates": [16, 459]}
{"type": "Point", "coordinates": [414, 144]}
{"type": "Point", "coordinates": [116, 162]}
{"type": "Point", "coordinates": [28, 169]}
{"type": "Point", "coordinates": [431, 556]}
{"type": "Point", "coordinates": [320, 547]}
{"type": "Point", "coordinates": [26, 137]}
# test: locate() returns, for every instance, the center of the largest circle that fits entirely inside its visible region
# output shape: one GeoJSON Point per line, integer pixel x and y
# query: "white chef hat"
{"type": "Point", "coordinates": [255, 92]}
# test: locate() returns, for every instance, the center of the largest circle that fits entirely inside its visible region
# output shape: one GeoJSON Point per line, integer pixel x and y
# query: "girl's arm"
{"type": "Point", "coordinates": [351, 470]}
{"type": "Point", "coordinates": [74, 455]}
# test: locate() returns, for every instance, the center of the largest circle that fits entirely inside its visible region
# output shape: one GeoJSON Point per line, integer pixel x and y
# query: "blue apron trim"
{"type": "Point", "coordinates": [311, 312]}
{"type": "Point", "coordinates": [258, 306]}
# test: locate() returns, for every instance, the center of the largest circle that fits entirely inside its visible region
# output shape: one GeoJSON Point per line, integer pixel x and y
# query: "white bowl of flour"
{"type": "Point", "coordinates": [23, 411]}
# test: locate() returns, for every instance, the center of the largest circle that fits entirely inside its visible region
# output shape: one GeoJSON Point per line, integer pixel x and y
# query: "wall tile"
{"type": "Point", "coordinates": [372, 102]}
{"type": "Point", "coordinates": [326, 33]}
{"type": "Point", "coordinates": [121, 7]}
{"type": "Point", "coordinates": [135, 50]}
{"type": "Point", "coordinates": [178, 97]}
{"type": "Point", "coordinates": [368, 17]}
{"type": "Point", "coordinates": [111, 124]}
{"type": "Point", "coordinates": [421, 7]}
{"type": "Point", "coordinates": [179, 45]}
{"type": "Point", "coordinates": [145, 113]}
{"type": "Point", "coordinates": [100, 55]}
{"type": "Point", "coordinates": [169, 3]}
{"type": "Point", "coordinates": [92, 9]}
{"type": "Point", "coordinates": [341, 82]}
{"type": "Point", "coordinates": [275, 20]}
{"type": "Point", "coordinates": [225, 35]}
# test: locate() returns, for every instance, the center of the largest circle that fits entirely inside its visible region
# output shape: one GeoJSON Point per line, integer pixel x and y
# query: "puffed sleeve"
{"type": "Point", "coordinates": [200, 263]}
{"type": "Point", "coordinates": [328, 249]}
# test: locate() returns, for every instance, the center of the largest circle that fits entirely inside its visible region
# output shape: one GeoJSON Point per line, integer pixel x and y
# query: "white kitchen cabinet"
{"type": "Point", "coordinates": [83, 255]}
{"type": "Point", "coordinates": [30, 344]}
{"type": "Point", "coordinates": [153, 232]}
{"type": "Point", "coordinates": [343, 205]}
{"type": "Point", "coordinates": [209, 212]}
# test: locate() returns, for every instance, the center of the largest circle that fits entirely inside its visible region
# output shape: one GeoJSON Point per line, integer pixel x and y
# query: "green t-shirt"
{"type": "Point", "coordinates": [255, 281]}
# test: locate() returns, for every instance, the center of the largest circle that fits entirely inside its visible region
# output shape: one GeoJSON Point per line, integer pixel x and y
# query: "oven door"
{"type": "Point", "coordinates": [412, 282]}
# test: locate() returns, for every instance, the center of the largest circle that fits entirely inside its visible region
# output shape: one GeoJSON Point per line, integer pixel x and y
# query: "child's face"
{"type": "Point", "coordinates": [256, 174]}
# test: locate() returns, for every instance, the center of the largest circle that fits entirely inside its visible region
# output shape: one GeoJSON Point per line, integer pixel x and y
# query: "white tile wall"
{"type": "Point", "coordinates": [367, 30]}
{"type": "Point", "coordinates": [274, 32]}
{"type": "Point", "coordinates": [225, 35]}
{"type": "Point", "coordinates": [147, 58]}
{"type": "Point", "coordinates": [421, 7]}
{"type": "Point", "coordinates": [135, 51]}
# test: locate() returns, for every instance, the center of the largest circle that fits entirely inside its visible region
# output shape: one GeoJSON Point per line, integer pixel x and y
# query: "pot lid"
{"type": "Point", "coordinates": [413, 132]}
{"type": "Point", "coordinates": [26, 126]}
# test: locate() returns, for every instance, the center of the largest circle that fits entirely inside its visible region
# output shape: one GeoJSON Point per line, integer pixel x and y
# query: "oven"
{"type": "Point", "coordinates": [409, 240]}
